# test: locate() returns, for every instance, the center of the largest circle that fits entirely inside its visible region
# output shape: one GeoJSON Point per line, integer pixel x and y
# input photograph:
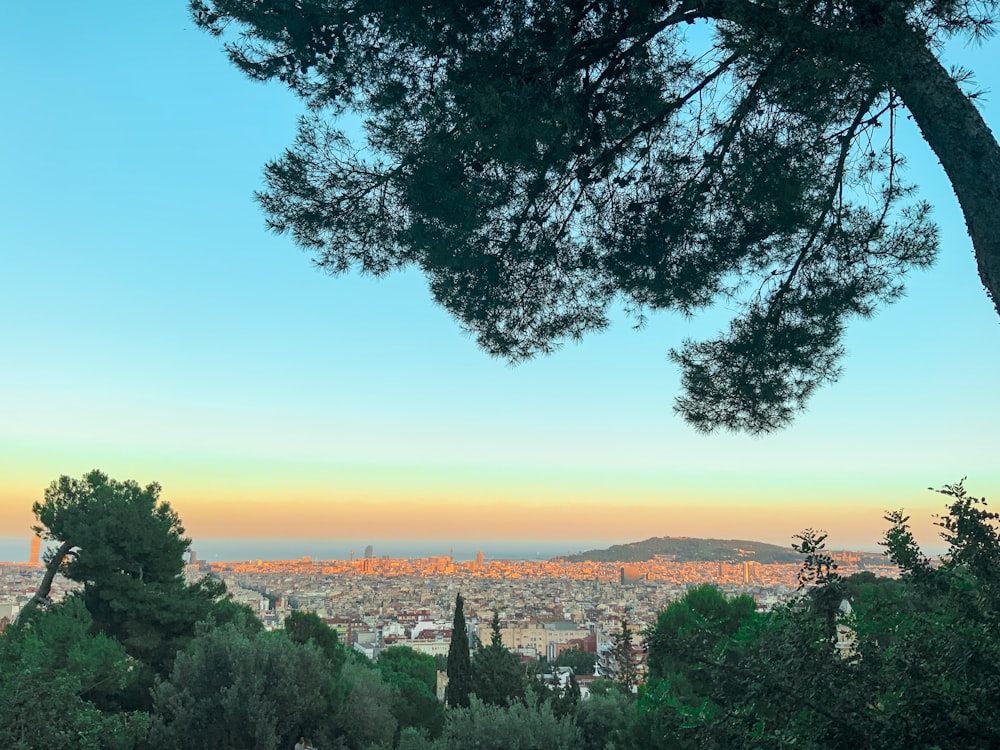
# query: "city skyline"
{"type": "Point", "coordinates": [155, 330]}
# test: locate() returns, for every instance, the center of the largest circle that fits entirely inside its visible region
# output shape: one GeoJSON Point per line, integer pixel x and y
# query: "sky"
{"type": "Point", "coordinates": [154, 329]}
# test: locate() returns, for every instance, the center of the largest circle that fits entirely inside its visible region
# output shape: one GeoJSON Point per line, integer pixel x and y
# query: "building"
{"type": "Point", "coordinates": [535, 638]}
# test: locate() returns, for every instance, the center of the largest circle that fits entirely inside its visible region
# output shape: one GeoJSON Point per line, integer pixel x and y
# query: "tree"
{"type": "Point", "coordinates": [127, 548]}
{"type": "Point", "coordinates": [601, 718]}
{"type": "Point", "coordinates": [496, 636]}
{"type": "Point", "coordinates": [526, 726]}
{"type": "Point", "coordinates": [413, 676]}
{"type": "Point", "coordinates": [367, 717]}
{"type": "Point", "coordinates": [404, 660]}
{"type": "Point", "coordinates": [581, 662]}
{"type": "Point", "coordinates": [234, 687]}
{"type": "Point", "coordinates": [541, 161]}
{"type": "Point", "coordinates": [618, 662]}
{"type": "Point", "coordinates": [307, 627]}
{"type": "Point", "coordinates": [459, 661]}
{"type": "Point", "coordinates": [921, 671]}
{"type": "Point", "coordinates": [690, 630]}
{"type": "Point", "coordinates": [498, 678]}
{"type": "Point", "coordinates": [55, 676]}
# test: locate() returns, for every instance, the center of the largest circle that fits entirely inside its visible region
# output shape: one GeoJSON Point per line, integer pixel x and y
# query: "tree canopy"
{"type": "Point", "coordinates": [239, 687]}
{"type": "Point", "coordinates": [126, 547]}
{"type": "Point", "coordinates": [498, 678]}
{"type": "Point", "coordinates": [459, 661]}
{"type": "Point", "coordinates": [543, 161]}
{"type": "Point", "coordinates": [855, 662]}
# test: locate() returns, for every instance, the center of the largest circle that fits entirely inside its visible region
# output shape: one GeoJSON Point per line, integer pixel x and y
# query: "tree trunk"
{"type": "Point", "coordinates": [41, 596]}
{"type": "Point", "coordinates": [964, 144]}
{"type": "Point", "coordinates": [947, 118]}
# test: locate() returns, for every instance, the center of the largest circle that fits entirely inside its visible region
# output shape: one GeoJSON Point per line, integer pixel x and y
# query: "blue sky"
{"type": "Point", "coordinates": [154, 329]}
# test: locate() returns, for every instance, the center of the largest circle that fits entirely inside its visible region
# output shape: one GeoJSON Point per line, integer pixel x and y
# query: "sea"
{"type": "Point", "coordinates": [18, 549]}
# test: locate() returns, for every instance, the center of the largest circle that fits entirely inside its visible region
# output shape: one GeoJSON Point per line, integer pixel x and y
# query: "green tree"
{"type": "Point", "coordinates": [855, 662]}
{"type": "Point", "coordinates": [54, 677]}
{"type": "Point", "coordinates": [497, 676]}
{"type": "Point", "coordinates": [307, 627]}
{"type": "Point", "coordinates": [496, 634]}
{"type": "Point", "coordinates": [367, 717]}
{"type": "Point", "coordinates": [126, 547]}
{"type": "Point", "coordinates": [234, 688]}
{"type": "Point", "coordinates": [413, 676]}
{"type": "Point", "coordinates": [618, 662]}
{"type": "Point", "coordinates": [604, 720]}
{"type": "Point", "coordinates": [540, 161]}
{"type": "Point", "coordinates": [404, 660]}
{"type": "Point", "coordinates": [580, 661]}
{"type": "Point", "coordinates": [525, 726]}
{"type": "Point", "coordinates": [691, 630]}
{"type": "Point", "coordinates": [459, 660]}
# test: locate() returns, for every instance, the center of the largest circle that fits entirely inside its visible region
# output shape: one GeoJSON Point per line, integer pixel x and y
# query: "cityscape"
{"type": "Point", "coordinates": [544, 606]}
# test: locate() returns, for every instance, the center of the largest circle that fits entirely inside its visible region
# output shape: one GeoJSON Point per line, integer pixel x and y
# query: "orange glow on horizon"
{"type": "Point", "coordinates": [406, 502]}
{"type": "Point", "coordinates": [854, 526]}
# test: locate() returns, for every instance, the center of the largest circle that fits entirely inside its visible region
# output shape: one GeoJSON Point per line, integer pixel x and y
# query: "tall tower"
{"type": "Point", "coordinates": [479, 559]}
{"type": "Point", "coordinates": [36, 548]}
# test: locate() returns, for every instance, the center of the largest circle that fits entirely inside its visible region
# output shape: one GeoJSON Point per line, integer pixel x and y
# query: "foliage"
{"type": "Point", "coordinates": [497, 676]}
{"type": "Point", "coordinates": [818, 568]}
{"type": "Point", "coordinates": [54, 675]}
{"type": "Point", "coordinates": [126, 547]}
{"type": "Point", "coordinates": [459, 661]}
{"type": "Point", "coordinates": [618, 663]}
{"type": "Point", "coordinates": [441, 663]}
{"type": "Point", "coordinates": [543, 161]}
{"type": "Point", "coordinates": [581, 662]}
{"type": "Point", "coordinates": [518, 726]}
{"type": "Point", "coordinates": [604, 720]}
{"type": "Point", "coordinates": [307, 627]}
{"type": "Point", "coordinates": [404, 660]}
{"type": "Point", "coordinates": [367, 714]}
{"type": "Point", "coordinates": [697, 627]}
{"type": "Point", "coordinates": [413, 677]}
{"type": "Point", "coordinates": [496, 636]}
{"type": "Point", "coordinates": [233, 687]}
{"type": "Point", "coordinates": [856, 662]}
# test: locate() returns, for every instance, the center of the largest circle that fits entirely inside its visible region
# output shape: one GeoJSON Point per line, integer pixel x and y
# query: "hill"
{"type": "Point", "coordinates": [687, 549]}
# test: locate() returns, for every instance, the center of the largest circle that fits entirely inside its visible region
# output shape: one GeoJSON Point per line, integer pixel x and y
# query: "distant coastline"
{"type": "Point", "coordinates": [18, 549]}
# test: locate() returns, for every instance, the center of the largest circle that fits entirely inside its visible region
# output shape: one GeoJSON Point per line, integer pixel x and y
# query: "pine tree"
{"type": "Point", "coordinates": [497, 675]}
{"type": "Point", "coordinates": [496, 637]}
{"type": "Point", "coordinates": [459, 662]}
{"type": "Point", "coordinates": [618, 664]}
{"type": "Point", "coordinates": [544, 162]}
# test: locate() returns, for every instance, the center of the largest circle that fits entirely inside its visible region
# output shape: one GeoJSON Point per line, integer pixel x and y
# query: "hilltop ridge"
{"type": "Point", "coordinates": [691, 549]}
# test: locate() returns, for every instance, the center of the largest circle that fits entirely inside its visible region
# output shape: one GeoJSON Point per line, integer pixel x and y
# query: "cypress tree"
{"type": "Point", "coordinates": [496, 637]}
{"type": "Point", "coordinates": [459, 662]}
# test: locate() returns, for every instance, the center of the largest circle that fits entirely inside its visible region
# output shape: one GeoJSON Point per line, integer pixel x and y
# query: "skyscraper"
{"type": "Point", "coordinates": [369, 551]}
{"type": "Point", "coordinates": [36, 548]}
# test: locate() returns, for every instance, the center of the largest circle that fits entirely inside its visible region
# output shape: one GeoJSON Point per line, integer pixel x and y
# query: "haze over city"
{"type": "Point", "coordinates": [154, 329]}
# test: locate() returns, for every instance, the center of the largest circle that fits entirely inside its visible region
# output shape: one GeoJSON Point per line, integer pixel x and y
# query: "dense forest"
{"type": "Point", "coordinates": [138, 658]}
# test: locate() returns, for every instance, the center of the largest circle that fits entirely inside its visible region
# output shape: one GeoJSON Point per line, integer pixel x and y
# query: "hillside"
{"type": "Point", "coordinates": [687, 549]}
